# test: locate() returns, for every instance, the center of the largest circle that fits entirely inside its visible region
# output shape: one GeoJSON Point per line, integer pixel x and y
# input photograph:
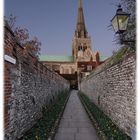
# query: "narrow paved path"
{"type": "Point", "coordinates": [75, 124]}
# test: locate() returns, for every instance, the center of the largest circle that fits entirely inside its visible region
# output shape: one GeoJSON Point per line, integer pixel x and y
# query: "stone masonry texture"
{"type": "Point", "coordinates": [29, 86]}
{"type": "Point", "coordinates": [75, 123]}
{"type": "Point", "coordinates": [112, 89]}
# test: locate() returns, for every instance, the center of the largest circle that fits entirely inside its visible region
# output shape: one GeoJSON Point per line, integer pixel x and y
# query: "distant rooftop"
{"type": "Point", "coordinates": [102, 57]}
{"type": "Point", "coordinates": [56, 58]}
{"type": "Point", "coordinates": [62, 58]}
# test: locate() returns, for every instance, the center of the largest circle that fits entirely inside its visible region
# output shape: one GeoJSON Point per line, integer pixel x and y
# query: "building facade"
{"type": "Point", "coordinates": [83, 59]}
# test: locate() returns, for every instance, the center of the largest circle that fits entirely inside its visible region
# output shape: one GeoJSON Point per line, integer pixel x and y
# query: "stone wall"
{"type": "Point", "coordinates": [29, 86]}
{"type": "Point", "coordinates": [112, 89]}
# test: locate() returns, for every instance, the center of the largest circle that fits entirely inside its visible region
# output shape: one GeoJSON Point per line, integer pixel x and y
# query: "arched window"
{"type": "Point", "coordinates": [62, 70]}
{"type": "Point", "coordinates": [66, 71]}
{"type": "Point", "coordinates": [79, 48]}
{"type": "Point", "coordinates": [84, 48]}
{"type": "Point", "coordinates": [73, 71]}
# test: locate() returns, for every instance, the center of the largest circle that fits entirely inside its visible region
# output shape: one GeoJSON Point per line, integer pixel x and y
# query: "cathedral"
{"type": "Point", "coordinates": [83, 59]}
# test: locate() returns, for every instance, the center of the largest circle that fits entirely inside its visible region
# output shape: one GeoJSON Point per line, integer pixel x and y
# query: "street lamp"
{"type": "Point", "coordinates": [120, 22]}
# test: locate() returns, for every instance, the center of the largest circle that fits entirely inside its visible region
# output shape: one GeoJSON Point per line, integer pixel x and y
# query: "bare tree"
{"type": "Point", "coordinates": [22, 35]}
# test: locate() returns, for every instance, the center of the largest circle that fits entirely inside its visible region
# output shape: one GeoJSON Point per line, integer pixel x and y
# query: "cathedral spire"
{"type": "Point", "coordinates": [80, 3]}
{"type": "Point", "coordinates": [80, 26]}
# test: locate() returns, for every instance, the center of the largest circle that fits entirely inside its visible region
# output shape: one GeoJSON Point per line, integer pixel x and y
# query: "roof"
{"type": "Point", "coordinates": [56, 58]}
{"type": "Point", "coordinates": [63, 58]}
{"type": "Point", "coordinates": [102, 57]}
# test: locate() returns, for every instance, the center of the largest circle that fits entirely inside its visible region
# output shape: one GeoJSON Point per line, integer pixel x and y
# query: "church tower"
{"type": "Point", "coordinates": [81, 45]}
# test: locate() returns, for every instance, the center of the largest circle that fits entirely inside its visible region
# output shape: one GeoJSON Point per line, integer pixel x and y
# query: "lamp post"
{"type": "Point", "coordinates": [120, 22]}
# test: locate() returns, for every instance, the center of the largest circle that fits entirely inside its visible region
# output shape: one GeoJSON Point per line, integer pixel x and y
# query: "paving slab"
{"type": "Point", "coordinates": [75, 123]}
{"type": "Point", "coordinates": [66, 136]}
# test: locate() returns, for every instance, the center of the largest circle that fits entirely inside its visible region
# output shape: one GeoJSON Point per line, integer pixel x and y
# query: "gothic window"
{"type": "Point", "coordinates": [69, 70]}
{"type": "Point", "coordinates": [66, 71]}
{"type": "Point", "coordinates": [62, 70]}
{"type": "Point", "coordinates": [73, 70]}
{"type": "Point", "coordinates": [89, 67]}
{"type": "Point", "coordinates": [79, 48]}
{"type": "Point", "coordinates": [85, 35]}
{"type": "Point", "coordinates": [85, 47]}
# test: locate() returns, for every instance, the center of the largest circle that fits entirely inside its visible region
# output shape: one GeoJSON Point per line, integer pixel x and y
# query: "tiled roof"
{"type": "Point", "coordinates": [56, 58]}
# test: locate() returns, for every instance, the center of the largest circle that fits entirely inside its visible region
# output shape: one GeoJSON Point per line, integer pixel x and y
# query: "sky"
{"type": "Point", "coordinates": [54, 23]}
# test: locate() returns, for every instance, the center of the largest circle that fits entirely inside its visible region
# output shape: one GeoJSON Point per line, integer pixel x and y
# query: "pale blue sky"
{"type": "Point", "coordinates": [54, 22]}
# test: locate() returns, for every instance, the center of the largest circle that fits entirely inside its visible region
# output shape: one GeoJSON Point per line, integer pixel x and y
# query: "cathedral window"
{"type": "Point", "coordinates": [84, 48]}
{"type": "Point", "coordinates": [66, 71]}
{"type": "Point", "coordinates": [62, 70]}
{"type": "Point", "coordinates": [73, 71]}
{"type": "Point", "coordinates": [89, 67]}
{"type": "Point", "coordinates": [79, 48]}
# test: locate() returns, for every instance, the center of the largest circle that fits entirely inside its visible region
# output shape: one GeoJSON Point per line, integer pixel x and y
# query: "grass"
{"type": "Point", "coordinates": [42, 129]}
{"type": "Point", "coordinates": [111, 131]}
{"type": "Point", "coordinates": [121, 53]}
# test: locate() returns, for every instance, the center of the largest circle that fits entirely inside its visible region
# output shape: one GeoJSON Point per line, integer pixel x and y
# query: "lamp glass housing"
{"type": "Point", "coordinates": [120, 21]}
